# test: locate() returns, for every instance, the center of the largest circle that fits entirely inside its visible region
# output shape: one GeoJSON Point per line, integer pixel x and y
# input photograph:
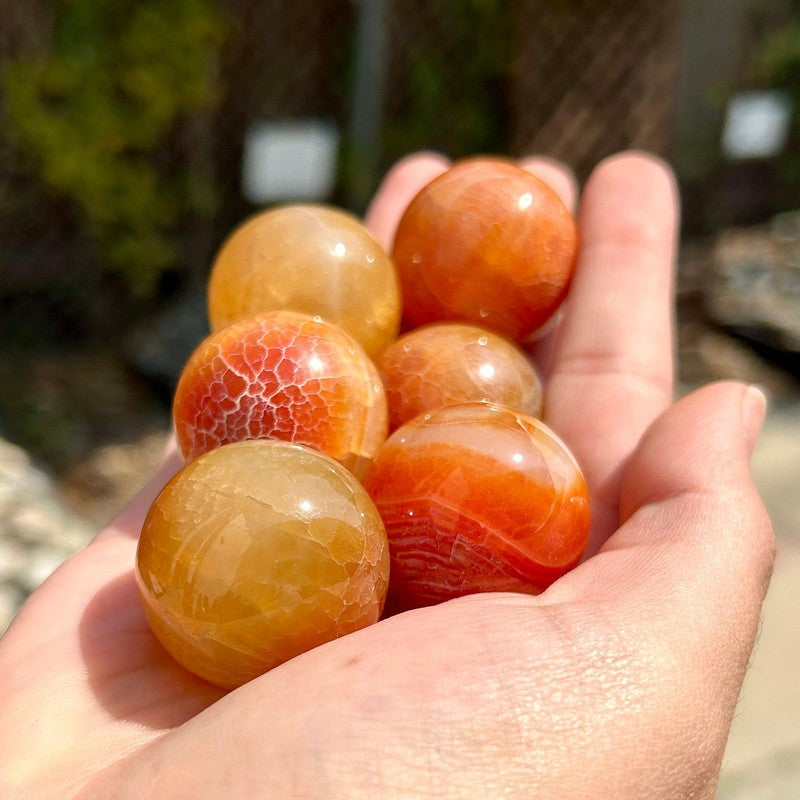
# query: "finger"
{"type": "Point", "coordinates": [686, 574]}
{"type": "Point", "coordinates": [556, 175]}
{"type": "Point", "coordinates": [696, 547]}
{"type": "Point", "coordinates": [612, 370]}
{"type": "Point", "coordinates": [397, 190]}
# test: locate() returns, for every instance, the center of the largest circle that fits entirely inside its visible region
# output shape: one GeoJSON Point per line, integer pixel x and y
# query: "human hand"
{"type": "Point", "coordinates": [619, 681]}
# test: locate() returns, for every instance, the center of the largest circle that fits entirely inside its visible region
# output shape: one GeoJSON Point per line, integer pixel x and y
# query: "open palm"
{"type": "Point", "coordinates": [618, 681]}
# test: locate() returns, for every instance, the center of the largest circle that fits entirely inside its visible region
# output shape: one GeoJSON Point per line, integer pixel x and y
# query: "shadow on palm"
{"type": "Point", "coordinates": [133, 678]}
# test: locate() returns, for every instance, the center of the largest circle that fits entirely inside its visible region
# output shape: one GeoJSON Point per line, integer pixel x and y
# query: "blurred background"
{"type": "Point", "coordinates": [134, 134]}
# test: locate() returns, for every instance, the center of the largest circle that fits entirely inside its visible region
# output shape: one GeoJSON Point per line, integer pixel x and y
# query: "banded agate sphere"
{"type": "Point", "coordinates": [477, 498]}
{"type": "Point", "coordinates": [282, 375]}
{"type": "Point", "coordinates": [447, 363]}
{"type": "Point", "coordinates": [308, 258]}
{"type": "Point", "coordinates": [255, 553]}
{"type": "Point", "coordinates": [487, 243]}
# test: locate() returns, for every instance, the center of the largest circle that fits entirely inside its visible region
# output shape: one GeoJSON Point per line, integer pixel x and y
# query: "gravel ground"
{"type": "Point", "coordinates": [37, 531]}
{"type": "Point", "coordinates": [39, 528]}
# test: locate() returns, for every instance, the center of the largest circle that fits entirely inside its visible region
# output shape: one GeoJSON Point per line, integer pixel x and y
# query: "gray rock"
{"type": "Point", "coordinates": [37, 531]}
{"type": "Point", "coordinates": [754, 285]}
{"type": "Point", "coordinates": [11, 599]}
{"type": "Point", "coordinates": [13, 560]}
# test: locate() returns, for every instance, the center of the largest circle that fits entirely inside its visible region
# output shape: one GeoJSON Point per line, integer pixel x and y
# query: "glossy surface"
{"type": "Point", "coordinates": [487, 243]}
{"type": "Point", "coordinates": [438, 365]}
{"type": "Point", "coordinates": [282, 375]}
{"type": "Point", "coordinates": [307, 258]}
{"type": "Point", "coordinates": [256, 552]}
{"type": "Point", "coordinates": [477, 498]}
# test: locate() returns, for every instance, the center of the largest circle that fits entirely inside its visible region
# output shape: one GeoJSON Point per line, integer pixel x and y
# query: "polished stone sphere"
{"type": "Point", "coordinates": [477, 498]}
{"type": "Point", "coordinates": [446, 363]}
{"type": "Point", "coordinates": [282, 375]}
{"type": "Point", "coordinates": [309, 258]}
{"type": "Point", "coordinates": [255, 553]}
{"type": "Point", "coordinates": [486, 243]}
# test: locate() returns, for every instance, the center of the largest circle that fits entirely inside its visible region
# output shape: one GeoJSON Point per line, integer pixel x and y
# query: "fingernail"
{"type": "Point", "coordinates": [754, 410]}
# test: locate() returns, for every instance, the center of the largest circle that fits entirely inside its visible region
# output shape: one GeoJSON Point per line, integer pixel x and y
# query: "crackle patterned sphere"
{"type": "Point", "coordinates": [256, 552]}
{"type": "Point", "coordinates": [282, 375]}
{"type": "Point", "coordinates": [309, 258]}
{"type": "Point", "coordinates": [446, 363]}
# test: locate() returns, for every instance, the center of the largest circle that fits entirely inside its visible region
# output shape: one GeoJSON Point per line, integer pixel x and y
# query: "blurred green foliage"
{"type": "Point", "coordinates": [780, 57]}
{"type": "Point", "coordinates": [94, 113]}
{"type": "Point", "coordinates": [778, 61]}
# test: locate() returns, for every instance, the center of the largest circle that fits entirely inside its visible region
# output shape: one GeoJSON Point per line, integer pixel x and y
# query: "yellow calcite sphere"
{"type": "Point", "coordinates": [256, 552]}
{"type": "Point", "coordinates": [309, 258]}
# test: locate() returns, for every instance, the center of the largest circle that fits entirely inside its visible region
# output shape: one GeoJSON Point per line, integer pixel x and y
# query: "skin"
{"type": "Point", "coordinates": [620, 681]}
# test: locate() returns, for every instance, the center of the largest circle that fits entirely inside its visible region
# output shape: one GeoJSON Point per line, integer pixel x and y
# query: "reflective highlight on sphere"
{"type": "Point", "coordinates": [255, 553]}
{"type": "Point", "coordinates": [313, 259]}
{"type": "Point", "coordinates": [487, 243]}
{"type": "Point", "coordinates": [442, 364]}
{"type": "Point", "coordinates": [477, 498]}
{"type": "Point", "coordinates": [287, 376]}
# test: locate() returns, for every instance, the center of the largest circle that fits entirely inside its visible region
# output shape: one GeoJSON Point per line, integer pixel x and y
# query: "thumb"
{"type": "Point", "coordinates": [689, 567]}
{"type": "Point", "coordinates": [694, 531]}
{"type": "Point", "coordinates": [703, 443]}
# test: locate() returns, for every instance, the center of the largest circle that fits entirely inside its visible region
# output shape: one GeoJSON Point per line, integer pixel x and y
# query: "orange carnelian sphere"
{"type": "Point", "coordinates": [475, 498]}
{"type": "Point", "coordinates": [488, 243]}
{"type": "Point", "coordinates": [282, 375]}
{"type": "Point", "coordinates": [308, 258]}
{"type": "Point", "coordinates": [255, 553]}
{"type": "Point", "coordinates": [446, 363]}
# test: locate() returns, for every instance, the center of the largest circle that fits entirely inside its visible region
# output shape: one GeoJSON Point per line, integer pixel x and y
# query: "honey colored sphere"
{"type": "Point", "coordinates": [282, 375]}
{"type": "Point", "coordinates": [255, 553]}
{"type": "Point", "coordinates": [487, 243]}
{"type": "Point", "coordinates": [446, 363]}
{"type": "Point", "coordinates": [477, 498]}
{"type": "Point", "coordinates": [314, 259]}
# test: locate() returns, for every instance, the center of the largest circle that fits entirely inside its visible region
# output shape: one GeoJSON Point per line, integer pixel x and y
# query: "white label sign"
{"type": "Point", "coordinates": [289, 160]}
{"type": "Point", "coordinates": [757, 125]}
